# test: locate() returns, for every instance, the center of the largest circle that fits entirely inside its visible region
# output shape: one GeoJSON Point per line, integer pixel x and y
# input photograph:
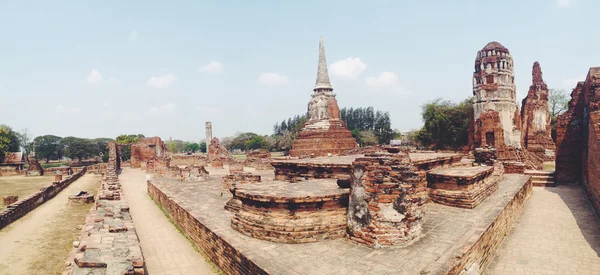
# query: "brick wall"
{"type": "Point", "coordinates": [218, 250]}
{"type": "Point", "coordinates": [19, 209]}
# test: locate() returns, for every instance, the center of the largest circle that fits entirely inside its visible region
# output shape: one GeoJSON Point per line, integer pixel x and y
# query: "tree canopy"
{"type": "Point", "coordinates": [445, 124]}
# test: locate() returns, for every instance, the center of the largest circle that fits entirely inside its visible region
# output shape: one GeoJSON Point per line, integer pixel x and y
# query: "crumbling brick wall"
{"type": "Point", "coordinates": [578, 138]}
{"type": "Point", "coordinates": [146, 149]}
{"type": "Point", "coordinates": [536, 129]}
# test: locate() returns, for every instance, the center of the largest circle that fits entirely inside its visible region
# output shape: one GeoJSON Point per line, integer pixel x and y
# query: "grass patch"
{"type": "Point", "coordinates": [239, 156]}
{"type": "Point", "coordinates": [56, 243]}
{"type": "Point", "coordinates": [50, 165]}
{"type": "Point", "coordinates": [22, 186]}
{"type": "Point", "coordinates": [213, 266]}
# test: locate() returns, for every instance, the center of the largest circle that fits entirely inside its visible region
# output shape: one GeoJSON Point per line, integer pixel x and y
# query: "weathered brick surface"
{"type": "Point", "coordinates": [108, 243]}
{"type": "Point", "coordinates": [448, 233]}
{"type": "Point", "coordinates": [198, 160]}
{"type": "Point", "coordinates": [24, 206]}
{"type": "Point", "coordinates": [463, 186]}
{"type": "Point", "coordinates": [35, 168]}
{"type": "Point", "coordinates": [146, 149]}
{"type": "Point", "coordinates": [258, 159]}
{"type": "Point", "coordinates": [8, 200]}
{"type": "Point", "coordinates": [536, 129]}
{"type": "Point", "coordinates": [233, 178]}
{"type": "Point", "coordinates": [578, 138]}
{"type": "Point", "coordinates": [217, 154]}
{"type": "Point", "coordinates": [387, 200]}
{"type": "Point", "coordinates": [284, 212]}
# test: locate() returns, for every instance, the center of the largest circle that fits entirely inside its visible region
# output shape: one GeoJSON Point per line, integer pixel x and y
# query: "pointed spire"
{"type": "Point", "coordinates": [537, 74]}
{"type": "Point", "coordinates": [322, 75]}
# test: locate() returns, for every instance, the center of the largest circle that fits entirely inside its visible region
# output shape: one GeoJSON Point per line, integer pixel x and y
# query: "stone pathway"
{"type": "Point", "coordinates": [165, 250]}
{"type": "Point", "coordinates": [558, 233]}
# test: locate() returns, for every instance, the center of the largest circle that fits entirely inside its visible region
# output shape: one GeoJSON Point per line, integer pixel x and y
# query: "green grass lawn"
{"type": "Point", "coordinates": [49, 165]}
{"type": "Point", "coordinates": [22, 186]}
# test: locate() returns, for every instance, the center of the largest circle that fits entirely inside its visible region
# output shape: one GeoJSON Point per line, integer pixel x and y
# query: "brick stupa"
{"type": "Point", "coordinates": [325, 132]}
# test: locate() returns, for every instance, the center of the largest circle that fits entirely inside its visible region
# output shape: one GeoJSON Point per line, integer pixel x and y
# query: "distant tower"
{"type": "Point", "coordinates": [496, 113]}
{"type": "Point", "coordinates": [208, 134]}
{"type": "Point", "coordinates": [324, 132]}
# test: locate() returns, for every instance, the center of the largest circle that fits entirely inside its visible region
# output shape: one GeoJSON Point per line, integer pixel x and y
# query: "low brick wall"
{"type": "Point", "coordinates": [19, 209]}
{"type": "Point", "coordinates": [476, 254]}
{"type": "Point", "coordinates": [224, 255]}
{"type": "Point", "coordinates": [12, 172]}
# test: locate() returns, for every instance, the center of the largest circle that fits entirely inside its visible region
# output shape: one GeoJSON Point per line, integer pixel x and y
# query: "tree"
{"type": "Point", "coordinates": [445, 124]}
{"type": "Point", "coordinates": [240, 142]}
{"type": "Point", "coordinates": [257, 142]}
{"type": "Point", "coordinates": [126, 140]}
{"type": "Point", "coordinates": [78, 148]}
{"type": "Point", "coordinates": [558, 103]}
{"type": "Point", "coordinates": [284, 141]}
{"type": "Point", "coordinates": [202, 147]}
{"type": "Point", "coordinates": [193, 147]}
{"type": "Point", "coordinates": [24, 140]}
{"type": "Point", "coordinates": [4, 141]}
{"type": "Point", "coordinates": [48, 147]}
{"type": "Point", "coordinates": [367, 138]}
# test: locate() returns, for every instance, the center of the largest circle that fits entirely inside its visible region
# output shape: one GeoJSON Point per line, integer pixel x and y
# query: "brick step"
{"type": "Point", "coordinates": [543, 183]}
{"type": "Point", "coordinates": [536, 177]}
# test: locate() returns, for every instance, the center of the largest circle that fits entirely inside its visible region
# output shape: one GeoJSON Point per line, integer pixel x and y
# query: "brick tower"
{"type": "Point", "coordinates": [324, 132]}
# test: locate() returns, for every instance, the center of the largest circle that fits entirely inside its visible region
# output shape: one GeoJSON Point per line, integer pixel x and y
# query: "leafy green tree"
{"type": "Point", "coordinates": [4, 141]}
{"type": "Point", "coordinates": [241, 141]}
{"type": "Point", "coordinates": [445, 124]}
{"type": "Point", "coordinates": [367, 138]}
{"type": "Point", "coordinates": [48, 147]}
{"type": "Point", "coordinates": [126, 140]}
{"type": "Point", "coordinates": [78, 148]}
{"type": "Point", "coordinates": [257, 142]}
{"type": "Point", "coordinates": [193, 147]}
{"type": "Point", "coordinates": [202, 147]}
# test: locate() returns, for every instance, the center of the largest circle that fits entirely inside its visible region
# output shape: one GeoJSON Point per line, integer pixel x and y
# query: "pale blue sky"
{"type": "Point", "coordinates": [164, 68]}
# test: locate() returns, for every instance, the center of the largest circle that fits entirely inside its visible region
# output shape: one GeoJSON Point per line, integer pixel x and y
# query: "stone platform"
{"type": "Point", "coordinates": [462, 186]}
{"type": "Point", "coordinates": [454, 239]}
{"type": "Point", "coordinates": [284, 212]}
{"type": "Point", "coordinates": [340, 167]}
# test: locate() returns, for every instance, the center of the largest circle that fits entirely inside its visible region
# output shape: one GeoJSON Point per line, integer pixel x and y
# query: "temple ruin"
{"type": "Point", "coordinates": [146, 149]}
{"type": "Point", "coordinates": [325, 132]}
{"type": "Point", "coordinates": [536, 131]}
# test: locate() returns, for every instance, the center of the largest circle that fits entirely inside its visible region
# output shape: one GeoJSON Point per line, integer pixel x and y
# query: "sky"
{"type": "Point", "coordinates": [164, 68]}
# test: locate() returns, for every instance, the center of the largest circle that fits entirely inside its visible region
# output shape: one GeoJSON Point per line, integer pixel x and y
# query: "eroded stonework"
{"type": "Point", "coordinates": [217, 154]}
{"type": "Point", "coordinates": [146, 149]}
{"type": "Point", "coordinates": [536, 131]}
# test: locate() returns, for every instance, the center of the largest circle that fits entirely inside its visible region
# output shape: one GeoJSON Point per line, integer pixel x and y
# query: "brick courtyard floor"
{"type": "Point", "coordinates": [446, 230]}
{"type": "Point", "coordinates": [558, 233]}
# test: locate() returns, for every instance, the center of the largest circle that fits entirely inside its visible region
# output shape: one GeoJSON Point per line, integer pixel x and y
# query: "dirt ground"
{"type": "Point", "coordinates": [22, 186]}
{"type": "Point", "coordinates": [40, 242]}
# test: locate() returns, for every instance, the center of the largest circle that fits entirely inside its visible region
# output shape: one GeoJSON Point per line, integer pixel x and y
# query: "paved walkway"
{"type": "Point", "coordinates": [166, 251]}
{"type": "Point", "coordinates": [558, 233]}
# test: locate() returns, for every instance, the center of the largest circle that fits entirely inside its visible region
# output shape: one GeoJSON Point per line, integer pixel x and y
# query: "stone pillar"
{"type": "Point", "coordinates": [208, 134]}
{"type": "Point", "coordinates": [387, 200]}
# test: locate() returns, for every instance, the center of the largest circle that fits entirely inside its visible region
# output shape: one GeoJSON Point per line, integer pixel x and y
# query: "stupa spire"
{"type": "Point", "coordinates": [322, 75]}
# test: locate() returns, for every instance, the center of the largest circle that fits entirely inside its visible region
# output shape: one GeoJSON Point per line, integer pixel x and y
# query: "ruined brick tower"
{"type": "Point", "coordinates": [324, 132]}
{"type": "Point", "coordinates": [536, 131]}
{"type": "Point", "coordinates": [496, 113]}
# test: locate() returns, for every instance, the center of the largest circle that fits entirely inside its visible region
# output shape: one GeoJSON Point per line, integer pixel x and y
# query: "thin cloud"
{"type": "Point", "coordinates": [95, 77]}
{"type": "Point", "coordinates": [66, 110]}
{"type": "Point", "coordinates": [207, 109]}
{"type": "Point", "coordinates": [162, 82]}
{"type": "Point", "coordinates": [162, 109]}
{"type": "Point", "coordinates": [133, 36]}
{"type": "Point", "coordinates": [563, 3]}
{"type": "Point", "coordinates": [386, 82]}
{"type": "Point", "coordinates": [214, 67]}
{"type": "Point", "coordinates": [273, 79]}
{"type": "Point", "coordinates": [350, 67]}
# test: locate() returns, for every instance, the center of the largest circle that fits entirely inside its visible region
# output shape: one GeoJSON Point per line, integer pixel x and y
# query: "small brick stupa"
{"type": "Point", "coordinates": [325, 132]}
